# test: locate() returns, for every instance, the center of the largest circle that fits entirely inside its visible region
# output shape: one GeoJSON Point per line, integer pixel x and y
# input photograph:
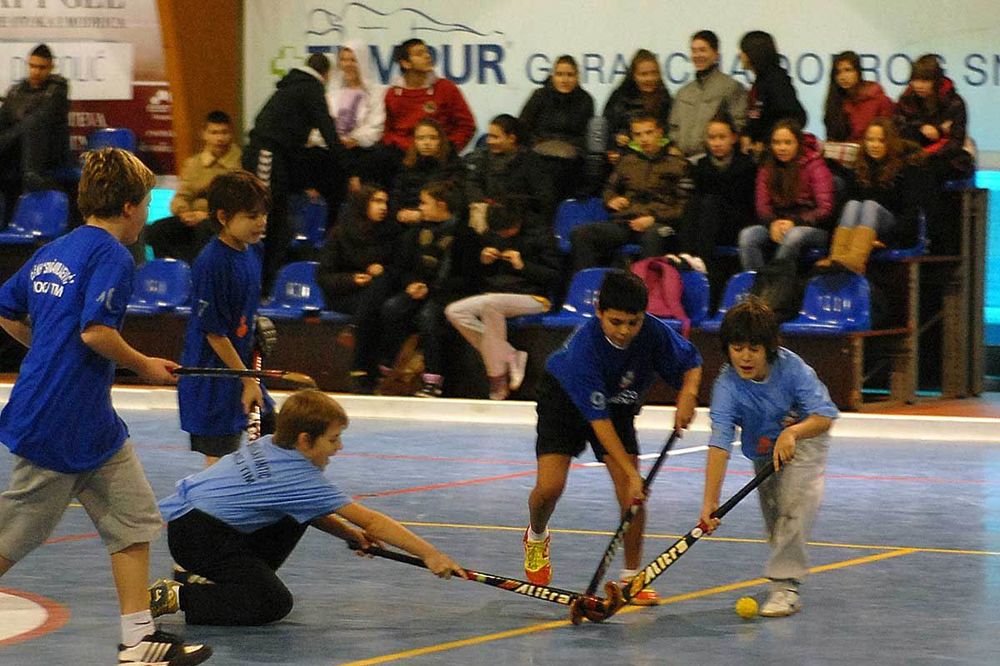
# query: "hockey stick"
{"type": "Point", "coordinates": [619, 597]}
{"type": "Point", "coordinates": [630, 513]}
{"type": "Point", "coordinates": [288, 376]}
{"type": "Point", "coordinates": [592, 605]}
{"type": "Point", "coordinates": [253, 421]}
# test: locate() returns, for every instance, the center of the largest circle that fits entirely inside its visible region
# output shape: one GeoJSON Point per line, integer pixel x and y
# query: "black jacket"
{"type": "Point", "coordinates": [541, 270]}
{"type": "Point", "coordinates": [772, 98]}
{"type": "Point", "coordinates": [410, 180]}
{"type": "Point", "coordinates": [627, 100]}
{"type": "Point", "coordinates": [492, 177]}
{"type": "Point", "coordinates": [550, 114]}
{"type": "Point", "coordinates": [38, 120]}
{"type": "Point", "coordinates": [352, 247]}
{"type": "Point", "coordinates": [734, 184]}
{"type": "Point", "coordinates": [297, 106]}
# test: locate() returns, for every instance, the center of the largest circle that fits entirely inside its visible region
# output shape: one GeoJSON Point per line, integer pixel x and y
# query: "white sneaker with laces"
{"type": "Point", "coordinates": [163, 649]}
{"type": "Point", "coordinates": [781, 603]}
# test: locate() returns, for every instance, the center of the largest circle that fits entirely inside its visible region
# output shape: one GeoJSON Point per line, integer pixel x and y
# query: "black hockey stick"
{"type": "Point", "coordinates": [630, 513]}
{"type": "Point", "coordinates": [299, 378]}
{"type": "Point", "coordinates": [619, 597]}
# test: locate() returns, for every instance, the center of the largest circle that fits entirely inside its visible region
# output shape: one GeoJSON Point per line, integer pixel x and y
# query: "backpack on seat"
{"type": "Point", "coordinates": [778, 284]}
{"type": "Point", "coordinates": [665, 287]}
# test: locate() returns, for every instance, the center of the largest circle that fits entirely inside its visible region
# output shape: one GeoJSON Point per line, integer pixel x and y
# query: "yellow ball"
{"type": "Point", "coordinates": [746, 608]}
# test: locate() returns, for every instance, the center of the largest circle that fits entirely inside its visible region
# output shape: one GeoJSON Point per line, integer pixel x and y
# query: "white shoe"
{"type": "Point", "coordinates": [518, 365]}
{"type": "Point", "coordinates": [163, 649]}
{"type": "Point", "coordinates": [696, 263]}
{"type": "Point", "coordinates": [781, 603]}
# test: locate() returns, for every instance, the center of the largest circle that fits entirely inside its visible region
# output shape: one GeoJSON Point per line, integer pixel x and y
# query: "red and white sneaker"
{"type": "Point", "coordinates": [647, 596]}
{"type": "Point", "coordinates": [537, 565]}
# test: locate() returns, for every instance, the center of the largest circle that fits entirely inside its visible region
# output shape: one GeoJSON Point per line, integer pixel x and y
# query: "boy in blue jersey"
{"type": "Point", "coordinates": [785, 414]}
{"type": "Point", "coordinates": [67, 304]}
{"type": "Point", "coordinates": [226, 279]}
{"type": "Point", "coordinates": [592, 391]}
{"type": "Point", "coordinates": [234, 524]}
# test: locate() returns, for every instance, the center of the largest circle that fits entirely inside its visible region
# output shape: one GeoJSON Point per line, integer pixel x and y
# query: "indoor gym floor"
{"type": "Point", "coordinates": [906, 556]}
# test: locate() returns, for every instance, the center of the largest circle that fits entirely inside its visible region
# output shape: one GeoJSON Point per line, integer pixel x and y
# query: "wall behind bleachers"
{"type": "Point", "coordinates": [499, 51]}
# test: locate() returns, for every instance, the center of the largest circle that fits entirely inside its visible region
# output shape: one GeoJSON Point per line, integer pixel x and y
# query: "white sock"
{"type": "Point", "coordinates": [136, 626]}
{"type": "Point", "coordinates": [629, 574]}
{"type": "Point", "coordinates": [538, 537]}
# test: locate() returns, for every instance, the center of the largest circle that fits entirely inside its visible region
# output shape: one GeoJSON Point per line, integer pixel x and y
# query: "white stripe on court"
{"type": "Point", "coordinates": [648, 456]}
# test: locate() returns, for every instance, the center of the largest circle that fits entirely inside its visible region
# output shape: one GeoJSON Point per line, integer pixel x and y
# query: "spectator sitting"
{"type": "Point", "coordinates": [643, 90]}
{"type": "Point", "coordinates": [357, 103]}
{"type": "Point", "coordinates": [931, 113]}
{"type": "Point", "coordinates": [710, 93]}
{"type": "Point", "coordinates": [505, 168]}
{"type": "Point", "coordinates": [416, 94]}
{"type": "Point", "coordinates": [517, 271]}
{"type": "Point", "coordinates": [646, 193]}
{"type": "Point", "coordinates": [794, 198]}
{"type": "Point", "coordinates": [556, 117]}
{"type": "Point", "coordinates": [772, 96]}
{"type": "Point", "coordinates": [885, 200]}
{"type": "Point", "coordinates": [425, 267]}
{"type": "Point", "coordinates": [356, 272]}
{"type": "Point", "coordinates": [723, 201]}
{"type": "Point", "coordinates": [430, 158]}
{"type": "Point", "coordinates": [34, 130]}
{"type": "Point", "coordinates": [183, 235]}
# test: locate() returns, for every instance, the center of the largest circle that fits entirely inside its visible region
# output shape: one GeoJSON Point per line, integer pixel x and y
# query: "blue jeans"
{"type": "Point", "coordinates": [755, 240]}
{"type": "Point", "coordinates": [869, 214]}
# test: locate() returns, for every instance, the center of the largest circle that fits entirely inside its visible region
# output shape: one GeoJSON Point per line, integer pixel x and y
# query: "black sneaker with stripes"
{"type": "Point", "coordinates": [163, 649]}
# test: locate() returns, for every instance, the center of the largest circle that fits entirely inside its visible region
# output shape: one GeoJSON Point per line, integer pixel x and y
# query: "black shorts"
{"type": "Point", "coordinates": [215, 445]}
{"type": "Point", "coordinates": [562, 429]}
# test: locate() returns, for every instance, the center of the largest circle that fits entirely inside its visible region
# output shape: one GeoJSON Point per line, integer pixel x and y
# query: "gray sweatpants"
{"type": "Point", "coordinates": [789, 500]}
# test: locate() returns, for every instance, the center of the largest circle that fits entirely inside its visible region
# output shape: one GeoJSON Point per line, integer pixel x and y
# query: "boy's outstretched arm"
{"type": "Point", "coordinates": [687, 398]}
{"type": "Point", "coordinates": [715, 472]}
{"type": "Point", "coordinates": [811, 426]}
{"type": "Point", "coordinates": [18, 329]}
{"type": "Point", "coordinates": [379, 526]}
{"type": "Point", "coordinates": [110, 344]}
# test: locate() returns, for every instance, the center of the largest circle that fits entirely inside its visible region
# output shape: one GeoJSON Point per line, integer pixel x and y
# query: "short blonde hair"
{"type": "Point", "coordinates": [310, 411]}
{"type": "Point", "coordinates": [111, 178]}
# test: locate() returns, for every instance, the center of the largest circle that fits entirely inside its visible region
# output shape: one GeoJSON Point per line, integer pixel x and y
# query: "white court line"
{"type": "Point", "coordinates": [647, 456]}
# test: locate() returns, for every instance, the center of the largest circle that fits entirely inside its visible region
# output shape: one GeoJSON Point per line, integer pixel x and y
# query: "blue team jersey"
{"type": "Point", "coordinates": [59, 415]}
{"type": "Point", "coordinates": [596, 374]}
{"type": "Point", "coordinates": [789, 394]}
{"type": "Point", "coordinates": [226, 292]}
{"type": "Point", "coordinates": [255, 486]}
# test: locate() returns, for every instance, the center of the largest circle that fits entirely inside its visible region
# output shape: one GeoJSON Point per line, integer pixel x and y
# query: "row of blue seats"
{"type": "Point", "coordinates": [832, 304]}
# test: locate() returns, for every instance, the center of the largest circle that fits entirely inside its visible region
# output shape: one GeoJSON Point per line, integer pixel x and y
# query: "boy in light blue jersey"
{"type": "Point", "coordinates": [232, 526]}
{"type": "Point", "coordinates": [67, 304]}
{"type": "Point", "coordinates": [785, 414]}
{"type": "Point", "coordinates": [226, 283]}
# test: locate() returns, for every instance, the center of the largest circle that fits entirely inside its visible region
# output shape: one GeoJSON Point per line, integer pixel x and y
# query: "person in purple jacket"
{"type": "Point", "coordinates": [794, 199]}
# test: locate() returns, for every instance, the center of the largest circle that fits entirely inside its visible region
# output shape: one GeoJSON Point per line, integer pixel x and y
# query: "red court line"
{"type": "Point", "coordinates": [56, 616]}
{"type": "Point", "coordinates": [419, 458]}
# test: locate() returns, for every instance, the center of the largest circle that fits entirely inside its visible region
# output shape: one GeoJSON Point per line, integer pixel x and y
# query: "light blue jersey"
{"type": "Point", "coordinates": [791, 392]}
{"type": "Point", "coordinates": [255, 486]}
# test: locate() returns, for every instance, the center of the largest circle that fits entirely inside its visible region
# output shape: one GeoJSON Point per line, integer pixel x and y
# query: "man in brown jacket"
{"type": "Point", "coordinates": [184, 234]}
{"type": "Point", "coordinates": [646, 194]}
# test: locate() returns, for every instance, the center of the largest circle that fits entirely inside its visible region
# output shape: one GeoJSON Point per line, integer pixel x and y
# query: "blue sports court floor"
{"type": "Point", "coordinates": [906, 556]}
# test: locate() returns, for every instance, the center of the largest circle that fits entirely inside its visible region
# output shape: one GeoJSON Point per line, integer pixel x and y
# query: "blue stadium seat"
{"type": "Point", "coordinates": [39, 217]}
{"type": "Point", "coordinates": [159, 286]}
{"type": "Point", "coordinates": [112, 137]}
{"type": "Point", "coordinates": [297, 295]}
{"type": "Point", "coordinates": [833, 304]}
{"type": "Point", "coordinates": [736, 290]}
{"type": "Point", "coordinates": [574, 212]}
{"type": "Point", "coordinates": [898, 253]}
{"type": "Point", "coordinates": [308, 220]}
{"type": "Point", "coordinates": [580, 304]}
{"type": "Point", "coordinates": [694, 298]}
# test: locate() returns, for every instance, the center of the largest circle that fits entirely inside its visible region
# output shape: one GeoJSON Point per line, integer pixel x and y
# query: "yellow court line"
{"type": "Point", "coordinates": [557, 624]}
{"type": "Point", "coordinates": [723, 539]}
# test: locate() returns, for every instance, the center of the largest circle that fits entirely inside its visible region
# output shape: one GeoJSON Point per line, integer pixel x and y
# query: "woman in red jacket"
{"type": "Point", "coordinates": [794, 199]}
{"type": "Point", "coordinates": [851, 102]}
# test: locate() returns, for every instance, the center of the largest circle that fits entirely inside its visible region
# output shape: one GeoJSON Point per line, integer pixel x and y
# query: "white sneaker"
{"type": "Point", "coordinates": [781, 603]}
{"type": "Point", "coordinates": [696, 263]}
{"type": "Point", "coordinates": [518, 365]}
{"type": "Point", "coordinates": [163, 649]}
